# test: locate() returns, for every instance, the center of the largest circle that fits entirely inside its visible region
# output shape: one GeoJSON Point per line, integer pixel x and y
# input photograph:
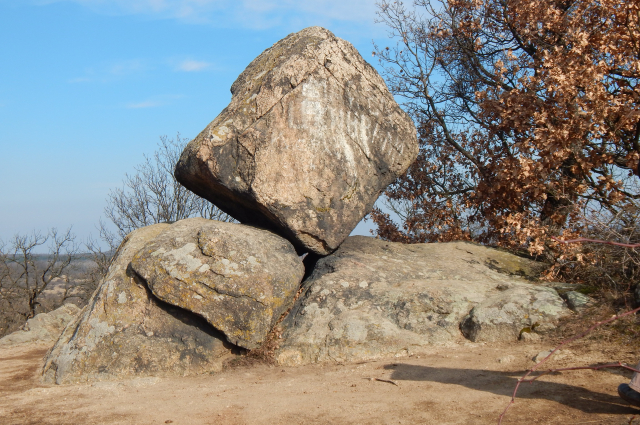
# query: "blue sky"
{"type": "Point", "coordinates": [88, 86]}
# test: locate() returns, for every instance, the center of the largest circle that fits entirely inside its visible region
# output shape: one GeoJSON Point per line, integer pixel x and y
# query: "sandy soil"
{"type": "Point", "coordinates": [460, 384]}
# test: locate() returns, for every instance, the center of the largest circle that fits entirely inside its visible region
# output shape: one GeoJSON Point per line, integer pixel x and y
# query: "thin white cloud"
{"type": "Point", "coordinates": [145, 104]}
{"type": "Point", "coordinates": [127, 67]}
{"type": "Point", "coordinates": [193, 66]}
{"type": "Point", "coordinates": [154, 102]}
{"type": "Point", "coordinates": [111, 71]}
{"type": "Point", "coordinates": [254, 14]}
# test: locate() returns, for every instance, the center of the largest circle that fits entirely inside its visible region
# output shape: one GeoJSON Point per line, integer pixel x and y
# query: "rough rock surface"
{"type": "Point", "coordinates": [577, 301]}
{"type": "Point", "coordinates": [125, 332]}
{"type": "Point", "coordinates": [241, 279]}
{"type": "Point", "coordinates": [44, 327]}
{"type": "Point", "coordinates": [506, 315]}
{"type": "Point", "coordinates": [372, 299]}
{"type": "Point", "coordinates": [310, 139]}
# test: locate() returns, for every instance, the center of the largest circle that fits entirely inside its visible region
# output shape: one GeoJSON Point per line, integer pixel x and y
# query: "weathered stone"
{"type": "Point", "coordinates": [241, 279]}
{"type": "Point", "coordinates": [558, 355]}
{"type": "Point", "coordinates": [310, 139]}
{"type": "Point", "coordinates": [43, 328]}
{"type": "Point", "coordinates": [505, 316]}
{"type": "Point", "coordinates": [530, 336]}
{"type": "Point", "coordinates": [125, 332]}
{"type": "Point", "coordinates": [372, 299]}
{"type": "Point", "coordinates": [577, 301]}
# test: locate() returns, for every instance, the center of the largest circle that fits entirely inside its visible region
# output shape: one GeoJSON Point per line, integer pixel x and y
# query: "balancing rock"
{"type": "Point", "coordinates": [310, 139]}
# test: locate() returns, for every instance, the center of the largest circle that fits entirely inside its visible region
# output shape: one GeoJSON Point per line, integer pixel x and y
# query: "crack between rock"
{"type": "Point", "coordinates": [216, 289]}
{"type": "Point", "coordinates": [234, 295]}
{"type": "Point", "coordinates": [359, 72]}
{"type": "Point", "coordinates": [362, 73]}
{"type": "Point", "coordinates": [222, 291]}
{"type": "Point", "coordinates": [396, 148]}
{"type": "Point", "coordinates": [314, 237]}
{"type": "Point", "coordinates": [360, 147]}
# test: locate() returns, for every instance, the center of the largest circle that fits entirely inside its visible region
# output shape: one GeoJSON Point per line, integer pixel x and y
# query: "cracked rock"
{"type": "Point", "coordinates": [373, 299]}
{"type": "Point", "coordinates": [310, 139]}
{"type": "Point", "coordinates": [239, 278]}
{"type": "Point", "coordinates": [514, 312]}
{"type": "Point", "coordinates": [125, 332]}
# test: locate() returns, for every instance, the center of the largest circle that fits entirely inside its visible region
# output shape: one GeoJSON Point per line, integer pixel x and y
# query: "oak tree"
{"type": "Point", "coordinates": [527, 111]}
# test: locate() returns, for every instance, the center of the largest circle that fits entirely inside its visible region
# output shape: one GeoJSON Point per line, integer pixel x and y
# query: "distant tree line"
{"type": "Point", "coordinates": [33, 281]}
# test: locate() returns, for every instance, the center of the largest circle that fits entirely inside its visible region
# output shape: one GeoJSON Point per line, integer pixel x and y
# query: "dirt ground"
{"type": "Point", "coordinates": [458, 384]}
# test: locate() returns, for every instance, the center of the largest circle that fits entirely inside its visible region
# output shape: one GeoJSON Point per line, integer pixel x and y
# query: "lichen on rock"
{"type": "Point", "coordinates": [125, 331]}
{"type": "Point", "coordinates": [310, 139]}
{"type": "Point", "coordinates": [239, 278]}
{"type": "Point", "coordinates": [372, 299]}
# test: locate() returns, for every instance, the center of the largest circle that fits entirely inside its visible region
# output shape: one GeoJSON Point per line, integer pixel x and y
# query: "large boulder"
{"type": "Point", "coordinates": [505, 316]}
{"type": "Point", "coordinates": [241, 279]}
{"type": "Point", "coordinates": [126, 332]}
{"type": "Point", "coordinates": [310, 139]}
{"type": "Point", "coordinates": [373, 299]}
{"type": "Point", "coordinates": [43, 328]}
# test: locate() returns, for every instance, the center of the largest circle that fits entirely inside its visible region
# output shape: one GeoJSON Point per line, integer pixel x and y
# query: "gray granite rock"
{"type": "Point", "coordinates": [239, 278]}
{"type": "Point", "coordinates": [44, 327]}
{"type": "Point", "coordinates": [310, 139]}
{"type": "Point", "coordinates": [577, 301]}
{"type": "Point", "coordinates": [372, 299]}
{"type": "Point", "coordinates": [125, 332]}
{"type": "Point", "coordinates": [504, 316]}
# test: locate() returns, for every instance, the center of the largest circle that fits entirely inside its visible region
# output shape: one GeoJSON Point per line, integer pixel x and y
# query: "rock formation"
{"type": "Point", "coordinates": [503, 316]}
{"type": "Point", "coordinates": [43, 328]}
{"type": "Point", "coordinates": [125, 331]}
{"type": "Point", "coordinates": [371, 299]}
{"type": "Point", "coordinates": [239, 278]}
{"type": "Point", "coordinates": [310, 139]}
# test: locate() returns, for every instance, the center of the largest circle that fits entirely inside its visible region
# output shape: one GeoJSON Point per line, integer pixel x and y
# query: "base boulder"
{"type": "Point", "coordinates": [241, 279]}
{"type": "Point", "coordinates": [126, 332]}
{"type": "Point", "coordinates": [373, 299]}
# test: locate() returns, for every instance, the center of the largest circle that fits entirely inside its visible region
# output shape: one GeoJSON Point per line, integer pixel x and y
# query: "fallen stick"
{"type": "Point", "coordinates": [383, 380]}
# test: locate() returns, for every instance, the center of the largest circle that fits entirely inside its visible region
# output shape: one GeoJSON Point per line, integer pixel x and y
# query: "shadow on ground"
{"type": "Point", "coordinates": [503, 383]}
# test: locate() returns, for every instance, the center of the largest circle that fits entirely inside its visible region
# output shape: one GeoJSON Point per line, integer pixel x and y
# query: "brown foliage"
{"type": "Point", "coordinates": [611, 268]}
{"type": "Point", "coordinates": [527, 112]}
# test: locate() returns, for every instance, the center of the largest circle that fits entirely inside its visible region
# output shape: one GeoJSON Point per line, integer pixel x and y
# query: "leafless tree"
{"type": "Point", "coordinates": [153, 195]}
{"type": "Point", "coordinates": [25, 274]}
{"type": "Point", "coordinates": [100, 256]}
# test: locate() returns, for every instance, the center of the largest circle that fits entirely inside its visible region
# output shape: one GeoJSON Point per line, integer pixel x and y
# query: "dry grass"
{"type": "Point", "coordinates": [623, 332]}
